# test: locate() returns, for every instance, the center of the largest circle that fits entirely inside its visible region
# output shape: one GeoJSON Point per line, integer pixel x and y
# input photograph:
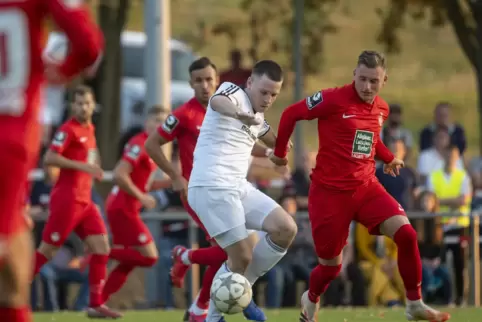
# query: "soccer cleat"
{"type": "Point", "coordinates": [419, 311]}
{"type": "Point", "coordinates": [197, 318]}
{"type": "Point", "coordinates": [102, 312]}
{"type": "Point", "coordinates": [309, 310]}
{"type": "Point", "coordinates": [254, 313]}
{"type": "Point", "coordinates": [178, 269]}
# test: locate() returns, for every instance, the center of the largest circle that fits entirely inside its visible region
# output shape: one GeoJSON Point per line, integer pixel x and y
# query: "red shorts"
{"type": "Point", "coordinates": [67, 216]}
{"type": "Point", "coordinates": [196, 219]}
{"type": "Point", "coordinates": [128, 229]}
{"type": "Point", "coordinates": [331, 213]}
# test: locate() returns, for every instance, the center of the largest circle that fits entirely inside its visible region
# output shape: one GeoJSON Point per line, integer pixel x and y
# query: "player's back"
{"type": "Point", "coordinates": [223, 149]}
{"type": "Point", "coordinates": [347, 138]}
{"type": "Point", "coordinates": [21, 69]}
{"type": "Point", "coordinates": [75, 141]}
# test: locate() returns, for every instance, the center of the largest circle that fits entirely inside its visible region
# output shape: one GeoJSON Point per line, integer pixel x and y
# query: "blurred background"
{"type": "Point", "coordinates": [435, 80]}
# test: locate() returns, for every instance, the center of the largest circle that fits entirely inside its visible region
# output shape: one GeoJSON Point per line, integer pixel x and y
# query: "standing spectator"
{"type": "Point", "coordinates": [442, 118]}
{"type": "Point", "coordinates": [301, 180]}
{"type": "Point", "coordinates": [236, 74]}
{"type": "Point", "coordinates": [432, 158]}
{"type": "Point", "coordinates": [393, 130]}
{"type": "Point", "coordinates": [452, 187]}
{"type": "Point", "coordinates": [403, 187]}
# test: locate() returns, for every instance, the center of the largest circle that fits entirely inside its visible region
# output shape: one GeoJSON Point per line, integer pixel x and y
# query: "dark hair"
{"type": "Point", "coordinates": [270, 68]}
{"type": "Point", "coordinates": [201, 63]}
{"type": "Point", "coordinates": [443, 104]}
{"type": "Point", "coordinates": [372, 59]}
{"type": "Point", "coordinates": [155, 110]}
{"type": "Point", "coordinates": [82, 90]}
{"type": "Point", "coordinates": [395, 108]}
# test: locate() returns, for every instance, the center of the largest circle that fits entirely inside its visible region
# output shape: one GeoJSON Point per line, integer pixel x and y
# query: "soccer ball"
{"type": "Point", "coordinates": [231, 293]}
{"type": "Point", "coordinates": [56, 49]}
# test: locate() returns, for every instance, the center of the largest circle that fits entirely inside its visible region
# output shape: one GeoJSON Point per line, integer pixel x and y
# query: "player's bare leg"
{"type": "Point", "coordinates": [399, 229]}
{"type": "Point", "coordinates": [45, 252]}
{"type": "Point", "coordinates": [99, 248]}
{"type": "Point", "coordinates": [15, 276]}
{"type": "Point", "coordinates": [128, 259]}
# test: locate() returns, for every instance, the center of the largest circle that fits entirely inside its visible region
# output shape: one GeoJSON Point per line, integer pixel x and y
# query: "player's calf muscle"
{"type": "Point", "coordinates": [239, 256]}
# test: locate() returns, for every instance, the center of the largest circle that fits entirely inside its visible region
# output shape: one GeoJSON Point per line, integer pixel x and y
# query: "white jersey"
{"type": "Point", "coordinates": [223, 150]}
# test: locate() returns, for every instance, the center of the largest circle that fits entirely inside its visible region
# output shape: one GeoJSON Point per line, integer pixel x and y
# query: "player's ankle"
{"type": "Point", "coordinates": [313, 298]}
{"type": "Point", "coordinates": [186, 258]}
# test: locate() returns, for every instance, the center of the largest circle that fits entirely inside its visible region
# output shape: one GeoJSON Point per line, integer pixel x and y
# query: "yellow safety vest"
{"type": "Point", "coordinates": [450, 189]}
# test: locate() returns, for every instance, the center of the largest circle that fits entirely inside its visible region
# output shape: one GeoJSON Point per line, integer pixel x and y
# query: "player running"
{"type": "Point", "coordinates": [344, 186]}
{"type": "Point", "coordinates": [21, 75]}
{"type": "Point", "coordinates": [184, 125]}
{"type": "Point", "coordinates": [74, 151]}
{"type": "Point", "coordinates": [132, 247]}
{"type": "Point", "coordinates": [227, 204]}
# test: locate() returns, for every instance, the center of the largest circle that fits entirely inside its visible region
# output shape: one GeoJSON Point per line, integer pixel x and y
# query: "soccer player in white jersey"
{"type": "Point", "coordinates": [219, 193]}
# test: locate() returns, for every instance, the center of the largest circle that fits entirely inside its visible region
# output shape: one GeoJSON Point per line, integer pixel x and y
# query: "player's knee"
{"type": "Point", "coordinates": [240, 262]}
{"type": "Point", "coordinates": [98, 244]}
{"type": "Point", "coordinates": [281, 227]}
{"type": "Point", "coordinates": [405, 235]}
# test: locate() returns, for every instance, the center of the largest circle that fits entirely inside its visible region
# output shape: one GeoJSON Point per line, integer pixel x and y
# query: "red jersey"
{"type": "Point", "coordinates": [348, 135]}
{"type": "Point", "coordinates": [21, 65]}
{"type": "Point", "coordinates": [142, 169]}
{"type": "Point", "coordinates": [184, 125]}
{"type": "Point", "coordinates": [75, 141]}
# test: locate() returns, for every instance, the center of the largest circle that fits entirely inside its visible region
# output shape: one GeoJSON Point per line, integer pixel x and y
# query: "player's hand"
{"type": "Point", "coordinates": [180, 185]}
{"type": "Point", "coordinates": [393, 168]}
{"type": "Point", "coordinates": [290, 146]}
{"type": "Point", "coordinates": [148, 201]}
{"type": "Point", "coordinates": [278, 161]}
{"type": "Point", "coordinates": [94, 170]}
{"type": "Point", "coordinates": [248, 118]}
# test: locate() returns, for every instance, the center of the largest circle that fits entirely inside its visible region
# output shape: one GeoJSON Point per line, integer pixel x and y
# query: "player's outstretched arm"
{"type": "Point", "coordinates": [86, 39]}
{"type": "Point", "coordinates": [153, 146]}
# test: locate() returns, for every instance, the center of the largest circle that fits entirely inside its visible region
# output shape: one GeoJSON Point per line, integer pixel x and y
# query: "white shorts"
{"type": "Point", "coordinates": [221, 209]}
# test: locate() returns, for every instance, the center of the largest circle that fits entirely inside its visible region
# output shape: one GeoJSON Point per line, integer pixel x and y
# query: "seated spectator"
{"type": "Point", "coordinates": [403, 187]}
{"type": "Point", "coordinates": [394, 130]}
{"type": "Point", "coordinates": [436, 284]}
{"type": "Point", "coordinates": [442, 119]}
{"type": "Point", "coordinates": [432, 159]}
{"type": "Point", "coordinates": [452, 187]}
{"type": "Point", "coordinates": [377, 256]}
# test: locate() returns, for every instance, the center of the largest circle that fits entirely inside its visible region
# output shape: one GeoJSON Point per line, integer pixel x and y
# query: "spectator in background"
{"type": "Point", "coordinates": [475, 171]}
{"type": "Point", "coordinates": [452, 187]}
{"type": "Point", "coordinates": [394, 131]}
{"type": "Point", "coordinates": [442, 119]}
{"type": "Point", "coordinates": [403, 187]}
{"type": "Point", "coordinates": [432, 159]}
{"type": "Point", "coordinates": [236, 74]}
{"type": "Point", "coordinates": [301, 180]}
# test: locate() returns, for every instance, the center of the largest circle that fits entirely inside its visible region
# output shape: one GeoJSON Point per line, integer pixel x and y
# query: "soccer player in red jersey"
{"type": "Point", "coordinates": [344, 186]}
{"type": "Point", "coordinates": [132, 247]}
{"type": "Point", "coordinates": [22, 72]}
{"type": "Point", "coordinates": [74, 151]}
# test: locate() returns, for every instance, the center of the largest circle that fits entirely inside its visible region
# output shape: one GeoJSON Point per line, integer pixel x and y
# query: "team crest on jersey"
{"type": "Point", "coordinates": [59, 138]}
{"type": "Point", "coordinates": [170, 124]}
{"type": "Point", "coordinates": [314, 100]}
{"type": "Point", "coordinates": [134, 152]}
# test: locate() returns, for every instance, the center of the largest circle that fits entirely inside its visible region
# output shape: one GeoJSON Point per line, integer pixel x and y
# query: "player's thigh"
{"type": "Point", "coordinates": [64, 216]}
{"type": "Point", "coordinates": [127, 229]}
{"type": "Point", "coordinates": [92, 230]}
{"type": "Point", "coordinates": [195, 217]}
{"type": "Point", "coordinates": [330, 215]}
{"type": "Point", "coordinates": [375, 207]}
{"type": "Point", "coordinates": [220, 210]}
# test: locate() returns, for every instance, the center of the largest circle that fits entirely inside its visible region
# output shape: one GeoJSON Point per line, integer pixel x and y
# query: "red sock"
{"type": "Point", "coordinates": [97, 274]}
{"type": "Point", "coordinates": [208, 256]}
{"type": "Point", "coordinates": [116, 280]}
{"type": "Point", "coordinates": [409, 263]}
{"type": "Point", "coordinates": [321, 276]}
{"type": "Point", "coordinates": [15, 314]}
{"type": "Point", "coordinates": [205, 292]}
{"type": "Point", "coordinates": [40, 261]}
{"type": "Point", "coordinates": [131, 257]}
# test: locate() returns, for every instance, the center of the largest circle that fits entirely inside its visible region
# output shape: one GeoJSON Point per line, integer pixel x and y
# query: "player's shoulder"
{"type": "Point", "coordinates": [382, 105]}
{"type": "Point", "coordinates": [228, 89]}
{"type": "Point", "coordinates": [68, 126]}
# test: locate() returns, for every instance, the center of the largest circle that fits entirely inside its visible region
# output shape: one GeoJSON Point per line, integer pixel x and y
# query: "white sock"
{"type": "Point", "coordinates": [213, 314]}
{"type": "Point", "coordinates": [196, 309]}
{"type": "Point", "coordinates": [185, 258]}
{"type": "Point", "coordinates": [266, 255]}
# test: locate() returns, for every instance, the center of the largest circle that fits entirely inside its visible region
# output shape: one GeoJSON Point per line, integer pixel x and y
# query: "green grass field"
{"type": "Point", "coordinates": [329, 315]}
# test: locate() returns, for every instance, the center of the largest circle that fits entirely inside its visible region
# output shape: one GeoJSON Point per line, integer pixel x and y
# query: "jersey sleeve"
{"type": "Point", "coordinates": [383, 152]}
{"type": "Point", "coordinates": [265, 129]}
{"type": "Point", "coordinates": [228, 90]}
{"type": "Point", "coordinates": [172, 126]}
{"type": "Point", "coordinates": [86, 39]}
{"type": "Point", "coordinates": [61, 140]}
{"type": "Point", "coordinates": [132, 153]}
{"type": "Point", "coordinates": [319, 105]}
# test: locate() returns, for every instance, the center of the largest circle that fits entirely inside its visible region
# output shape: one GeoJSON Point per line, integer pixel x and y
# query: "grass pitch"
{"type": "Point", "coordinates": [326, 315]}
